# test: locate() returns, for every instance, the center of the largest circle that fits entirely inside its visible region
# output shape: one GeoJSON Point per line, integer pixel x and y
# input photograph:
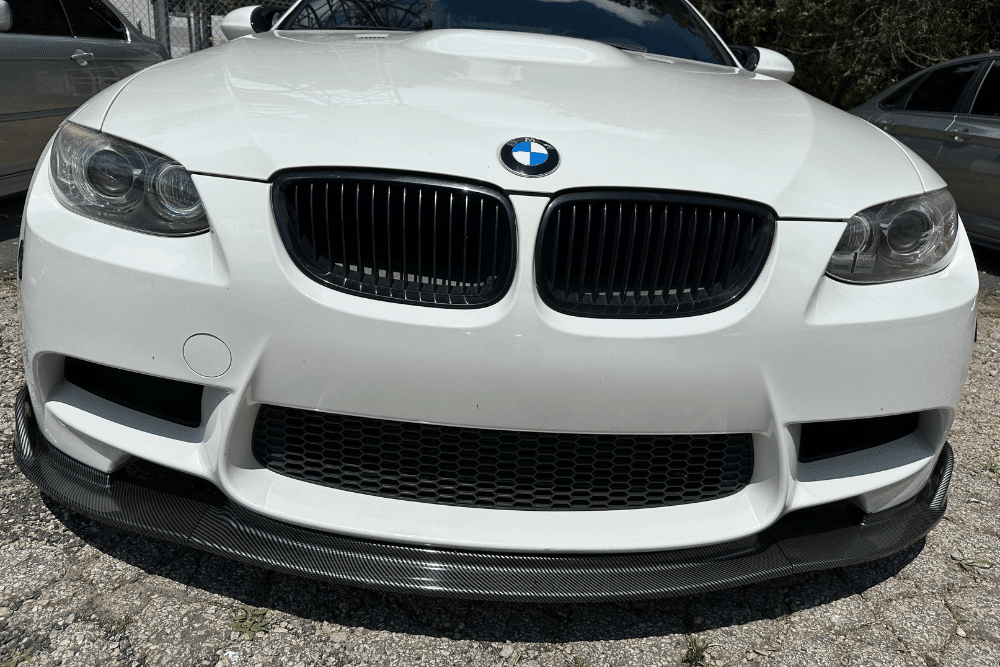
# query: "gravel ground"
{"type": "Point", "coordinates": [10, 223]}
{"type": "Point", "coordinates": [73, 592]}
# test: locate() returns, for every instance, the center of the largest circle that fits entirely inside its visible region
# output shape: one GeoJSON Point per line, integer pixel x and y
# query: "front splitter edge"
{"type": "Point", "coordinates": [192, 512]}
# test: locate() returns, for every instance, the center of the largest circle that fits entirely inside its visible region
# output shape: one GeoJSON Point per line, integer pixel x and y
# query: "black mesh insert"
{"type": "Point", "coordinates": [649, 254]}
{"type": "Point", "coordinates": [500, 469]}
{"type": "Point", "coordinates": [398, 237]}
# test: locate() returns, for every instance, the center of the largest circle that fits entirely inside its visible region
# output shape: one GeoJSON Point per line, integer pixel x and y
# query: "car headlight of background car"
{"type": "Point", "coordinates": [901, 239]}
{"type": "Point", "coordinates": [115, 181]}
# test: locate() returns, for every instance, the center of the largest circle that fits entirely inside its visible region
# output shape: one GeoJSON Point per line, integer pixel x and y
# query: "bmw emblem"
{"type": "Point", "coordinates": [529, 157]}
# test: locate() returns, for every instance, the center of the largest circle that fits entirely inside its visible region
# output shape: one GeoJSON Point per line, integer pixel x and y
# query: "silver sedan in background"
{"type": "Point", "coordinates": [949, 115]}
{"type": "Point", "coordinates": [55, 55]}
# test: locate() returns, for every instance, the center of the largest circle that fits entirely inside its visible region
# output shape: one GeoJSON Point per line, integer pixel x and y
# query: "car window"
{"type": "Point", "coordinates": [38, 17]}
{"type": "Point", "coordinates": [942, 88]}
{"type": "Point", "coordinates": [988, 99]}
{"type": "Point", "coordinates": [666, 27]}
{"type": "Point", "coordinates": [92, 18]}
{"type": "Point", "coordinates": [897, 98]}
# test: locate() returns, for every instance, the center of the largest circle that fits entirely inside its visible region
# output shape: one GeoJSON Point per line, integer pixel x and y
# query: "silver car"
{"type": "Point", "coordinates": [949, 115]}
{"type": "Point", "coordinates": [54, 55]}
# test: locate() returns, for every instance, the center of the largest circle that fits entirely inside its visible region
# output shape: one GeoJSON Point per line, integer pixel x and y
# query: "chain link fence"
{"type": "Point", "coordinates": [184, 26]}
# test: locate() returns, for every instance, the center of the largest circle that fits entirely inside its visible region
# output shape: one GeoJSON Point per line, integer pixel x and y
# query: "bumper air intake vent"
{"type": "Point", "coordinates": [519, 470]}
{"type": "Point", "coordinates": [172, 400]}
{"type": "Point", "coordinates": [824, 440]}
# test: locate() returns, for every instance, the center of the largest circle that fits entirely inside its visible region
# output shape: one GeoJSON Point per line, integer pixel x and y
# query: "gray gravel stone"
{"type": "Point", "coordinates": [803, 651]}
{"type": "Point", "coordinates": [965, 653]}
{"type": "Point", "coordinates": [977, 612]}
{"type": "Point", "coordinates": [875, 644]}
{"type": "Point", "coordinates": [923, 624]}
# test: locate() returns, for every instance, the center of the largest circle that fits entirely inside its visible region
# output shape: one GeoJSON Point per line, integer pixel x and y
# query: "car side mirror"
{"type": "Point", "coordinates": [6, 18]}
{"type": "Point", "coordinates": [764, 61]}
{"type": "Point", "coordinates": [773, 64]}
{"type": "Point", "coordinates": [249, 20]}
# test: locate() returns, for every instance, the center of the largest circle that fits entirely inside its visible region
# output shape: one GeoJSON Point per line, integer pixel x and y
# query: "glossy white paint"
{"type": "Point", "coordinates": [774, 65]}
{"type": "Point", "coordinates": [207, 355]}
{"type": "Point", "coordinates": [92, 112]}
{"type": "Point", "coordinates": [453, 97]}
{"type": "Point", "coordinates": [753, 367]}
{"type": "Point", "coordinates": [798, 347]}
{"type": "Point", "coordinates": [236, 23]}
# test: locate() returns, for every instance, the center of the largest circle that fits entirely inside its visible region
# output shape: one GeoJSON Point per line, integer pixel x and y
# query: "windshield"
{"type": "Point", "coordinates": [665, 27]}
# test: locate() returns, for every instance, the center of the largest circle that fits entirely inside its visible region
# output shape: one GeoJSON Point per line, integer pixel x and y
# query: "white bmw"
{"type": "Point", "coordinates": [533, 299]}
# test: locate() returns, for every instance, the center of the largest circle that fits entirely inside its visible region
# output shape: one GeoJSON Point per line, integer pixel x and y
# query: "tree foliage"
{"type": "Point", "coordinates": [845, 51]}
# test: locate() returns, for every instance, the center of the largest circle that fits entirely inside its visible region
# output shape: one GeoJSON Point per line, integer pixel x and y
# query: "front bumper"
{"type": "Point", "coordinates": [192, 512]}
{"type": "Point", "coordinates": [799, 347]}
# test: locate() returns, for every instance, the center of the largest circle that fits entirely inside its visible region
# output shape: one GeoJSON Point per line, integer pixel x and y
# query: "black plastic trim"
{"type": "Point", "coordinates": [193, 514]}
{"type": "Point", "coordinates": [747, 56]}
{"type": "Point", "coordinates": [262, 18]}
{"type": "Point", "coordinates": [767, 216]}
{"type": "Point", "coordinates": [824, 440]}
{"type": "Point", "coordinates": [281, 180]}
{"type": "Point", "coordinates": [172, 400]}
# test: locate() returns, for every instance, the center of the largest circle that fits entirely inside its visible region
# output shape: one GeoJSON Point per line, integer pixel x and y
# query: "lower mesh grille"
{"type": "Point", "coordinates": [500, 469]}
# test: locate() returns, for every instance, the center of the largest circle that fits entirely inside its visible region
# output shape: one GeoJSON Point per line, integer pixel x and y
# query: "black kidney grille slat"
{"type": "Point", "coordinates": [400, 238]}
{"type": "Point", "coordinates": [643, 254]}
{"type": "Point", "coordinates": [500, 469]}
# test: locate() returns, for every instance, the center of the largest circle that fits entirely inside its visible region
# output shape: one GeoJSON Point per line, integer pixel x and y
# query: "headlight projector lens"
{"type": "Point", "coordinates": [173, 195]}
{"type": "Point", "coordinates": [908, 232]}
{"type": "Point", "coordinates": [110, 173]}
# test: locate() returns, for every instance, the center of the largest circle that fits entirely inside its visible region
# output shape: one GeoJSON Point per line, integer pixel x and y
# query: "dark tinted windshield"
{"type": "Point", "coordinates": [666, 27]}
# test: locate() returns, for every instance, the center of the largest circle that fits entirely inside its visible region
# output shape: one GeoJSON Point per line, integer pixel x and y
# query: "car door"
{"type": "Point", "coordinates": [42, 79]}
{"type": "Point", "coordinates": [930, 110]}
{"type": "Point", "coordinates": [970, 160]}
{"type": "Point", "coordinates": [106, 36]}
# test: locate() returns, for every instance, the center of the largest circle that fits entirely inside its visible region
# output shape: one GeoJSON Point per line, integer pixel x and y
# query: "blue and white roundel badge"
{"type": "Point", "coordinates": [530, 153]}
{"type": "Point", "coordinates": [526, 156]}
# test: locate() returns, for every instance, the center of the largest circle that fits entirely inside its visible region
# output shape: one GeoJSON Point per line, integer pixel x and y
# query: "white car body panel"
{"type": "Point", "coordinates": [281, 327]}
{"type": "Point", "coordinates": [797, 347]}
{"type": "Point", "coordinates": [453, 97]}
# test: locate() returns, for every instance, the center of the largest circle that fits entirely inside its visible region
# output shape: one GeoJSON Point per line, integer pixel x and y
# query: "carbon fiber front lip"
{"type": "Point", "coordinates": [194, 513]}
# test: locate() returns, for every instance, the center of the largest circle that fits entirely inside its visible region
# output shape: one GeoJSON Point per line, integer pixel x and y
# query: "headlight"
{"type": "Point", "coordinates": [897, 240]}
{"type": "Point", "coordinates": [114, 181]}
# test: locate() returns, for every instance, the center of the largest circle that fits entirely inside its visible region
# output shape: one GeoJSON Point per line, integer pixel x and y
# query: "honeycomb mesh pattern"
{"type": "Point", "coordinates": [521, 470]}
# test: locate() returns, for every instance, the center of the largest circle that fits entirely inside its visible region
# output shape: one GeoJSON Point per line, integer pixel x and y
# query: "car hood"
{"type": "Point", "coordinates": [445, 101]}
